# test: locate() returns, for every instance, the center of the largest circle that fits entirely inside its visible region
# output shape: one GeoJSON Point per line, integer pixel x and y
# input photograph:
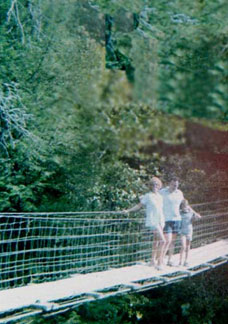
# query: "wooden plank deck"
{"type": "Point", "coordinates": [57, 295]}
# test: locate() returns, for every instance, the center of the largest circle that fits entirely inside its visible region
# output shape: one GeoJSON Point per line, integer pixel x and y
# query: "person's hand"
{"type": "Point", "coordinates": [197, 216]}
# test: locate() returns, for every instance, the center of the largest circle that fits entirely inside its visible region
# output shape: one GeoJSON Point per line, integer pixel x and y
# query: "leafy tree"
{"type": "Point", "coordinates": [180, 49]}
{"type": "Point", "coordinates": [78, 116]}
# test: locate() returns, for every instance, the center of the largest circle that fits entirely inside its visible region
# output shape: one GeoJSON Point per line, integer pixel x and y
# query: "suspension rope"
{"type": "Point", "coordinates": [210, 203]}
{"type": "Point", "coordinates": [104, 212]}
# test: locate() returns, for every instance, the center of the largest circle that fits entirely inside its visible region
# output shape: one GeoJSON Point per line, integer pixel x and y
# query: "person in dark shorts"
{"type": "Point", "coordinates": [172, 198]}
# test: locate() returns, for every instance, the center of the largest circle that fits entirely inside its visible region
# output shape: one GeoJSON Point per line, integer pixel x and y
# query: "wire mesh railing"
{"type": "Point", "coordinates": [37, 247]}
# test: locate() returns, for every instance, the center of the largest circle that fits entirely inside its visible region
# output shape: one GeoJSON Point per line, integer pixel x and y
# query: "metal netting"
{"type": "Point", "coordinates": [36, 247]}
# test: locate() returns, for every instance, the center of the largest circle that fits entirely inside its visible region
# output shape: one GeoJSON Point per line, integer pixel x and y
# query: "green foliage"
{"type": "Point", "coordinates": [24, 178]}
{"type": "Point", "coordinates": [113, 6]}
{"type": "Point", "coordinates": [13, 117]}
{"type": "Point", "coordinates": [177, 52]}
{"type": "Point", "coordinates": [72, 131]}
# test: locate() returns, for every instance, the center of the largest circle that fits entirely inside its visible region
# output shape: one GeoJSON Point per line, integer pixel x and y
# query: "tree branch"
{"type": "Point", "coordinates": [13, 11]}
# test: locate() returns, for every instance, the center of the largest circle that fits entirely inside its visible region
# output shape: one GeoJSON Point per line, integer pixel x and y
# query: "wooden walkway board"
{"type": "Point", "coordinates": [46, 295]}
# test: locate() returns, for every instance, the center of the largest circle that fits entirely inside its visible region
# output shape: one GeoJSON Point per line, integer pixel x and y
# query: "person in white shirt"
{"type": "Point", "coordinates": [172, 198]}
{"type": "Point", "coordinates": [155, 221]}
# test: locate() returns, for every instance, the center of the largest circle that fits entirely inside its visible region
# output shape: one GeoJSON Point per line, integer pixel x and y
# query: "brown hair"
{"type": "Point", "coordinates": [174, 178]}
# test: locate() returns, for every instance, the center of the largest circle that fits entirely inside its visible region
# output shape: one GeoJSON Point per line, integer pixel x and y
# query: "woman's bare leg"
{"type": "Point", "coordinates": [160, 244]}
{"type": "Point", "coordinates": [154, 254]}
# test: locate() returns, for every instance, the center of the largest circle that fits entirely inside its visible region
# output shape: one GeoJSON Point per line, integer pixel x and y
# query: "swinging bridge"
{"type": "Point", "coordinates": [53, 262]}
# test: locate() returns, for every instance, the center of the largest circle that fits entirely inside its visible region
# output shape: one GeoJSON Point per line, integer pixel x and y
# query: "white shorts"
{"type": "Point", "coordinates": [156, 227]}
{"type": "Point", "coordinates": [187, 235]}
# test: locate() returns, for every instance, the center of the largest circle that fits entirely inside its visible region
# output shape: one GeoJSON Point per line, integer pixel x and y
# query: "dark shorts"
{"type": "Point", "coordinates": [172, 227]}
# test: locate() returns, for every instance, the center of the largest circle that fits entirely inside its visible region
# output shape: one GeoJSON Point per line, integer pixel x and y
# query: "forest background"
{"type": "Point", "coordinates": [93, 92]}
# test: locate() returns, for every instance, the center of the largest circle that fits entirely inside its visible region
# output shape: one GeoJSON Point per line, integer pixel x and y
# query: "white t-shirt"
{"type": "Point", "coordinates": [171, 204]}
{"type": "Point", "coordinates": [154, 209]}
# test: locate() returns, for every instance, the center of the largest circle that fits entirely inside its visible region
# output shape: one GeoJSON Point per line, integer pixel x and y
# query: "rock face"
{"type": "Point", "coordinates": [206, 150]}
{"type": "Point", "coordinates": [204, 138]}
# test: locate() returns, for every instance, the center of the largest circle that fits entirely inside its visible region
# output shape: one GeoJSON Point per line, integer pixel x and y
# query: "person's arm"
{"type": "Point", "coordinates": [134, 208]}
{"type": "Point", "coordinates": [195, 214]}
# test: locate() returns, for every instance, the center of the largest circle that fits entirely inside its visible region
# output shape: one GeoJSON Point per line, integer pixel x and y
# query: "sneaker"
{"type": "Point", "coordinates": [159, 267]}
{"type": "Point", "coordinates": [186, 264]}
{"type": "Point", "coordinates": [170, 264]}
{"type": "Point", "coordinates": [152, 264]}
